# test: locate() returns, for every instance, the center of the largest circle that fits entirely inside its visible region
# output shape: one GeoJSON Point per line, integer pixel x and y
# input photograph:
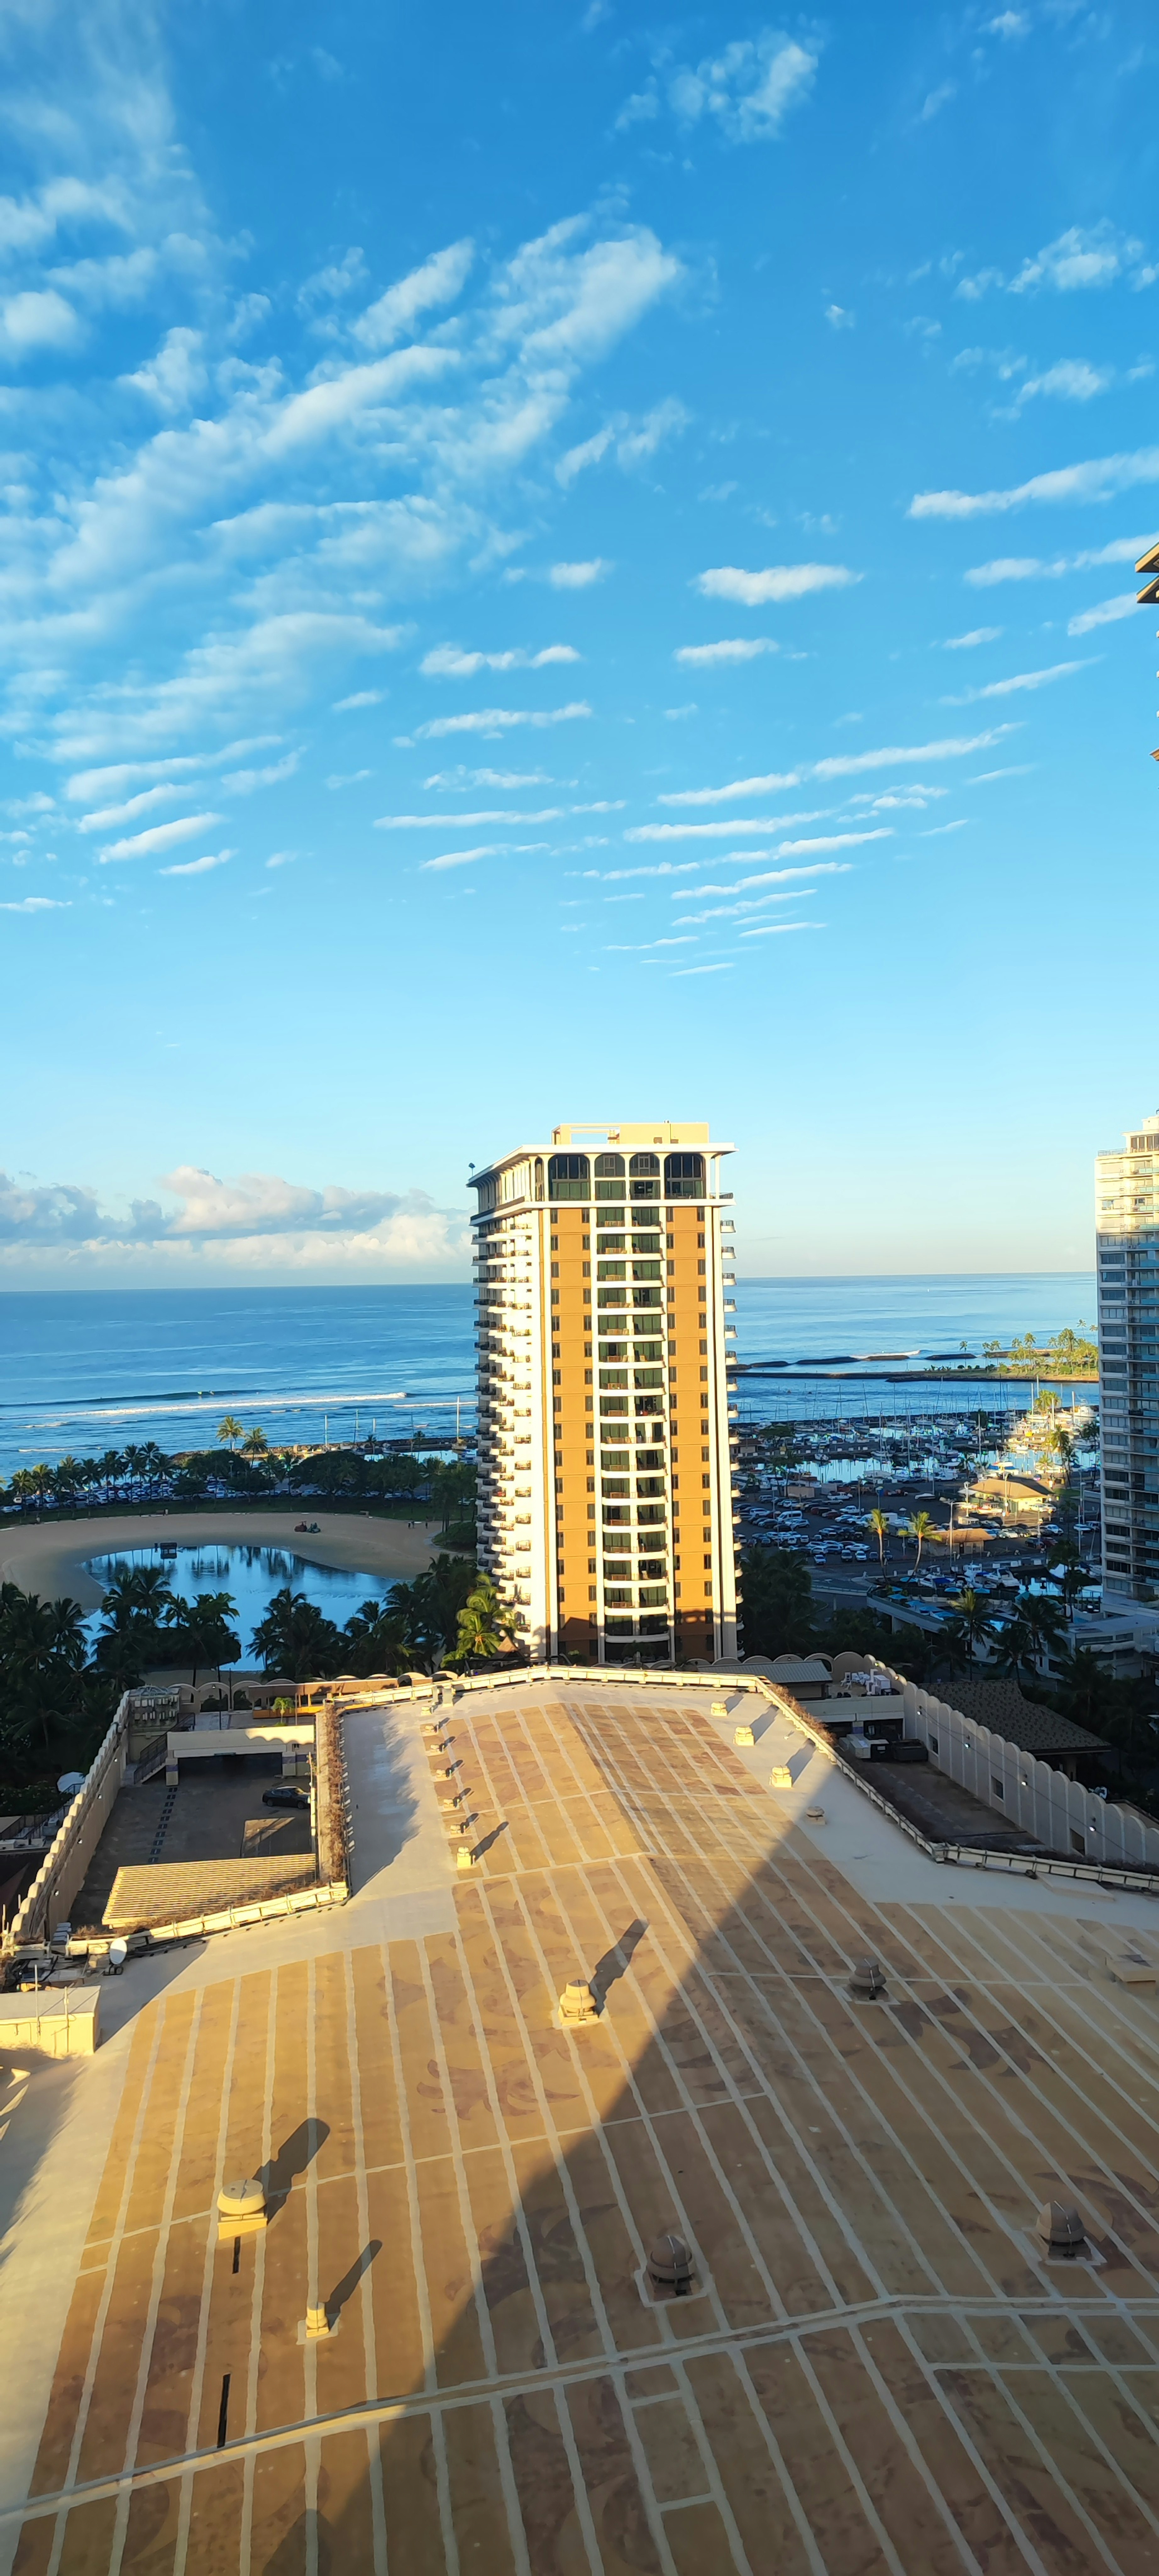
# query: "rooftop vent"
{"type": "Point", "coordinates": [867, 1979]}
{"type": "Point", "coordinates": [670, 2267]}
{"type": "Point", "coordinates": [1061, 2230]}
{"type": "Point", "coordinates": [579, 2002]}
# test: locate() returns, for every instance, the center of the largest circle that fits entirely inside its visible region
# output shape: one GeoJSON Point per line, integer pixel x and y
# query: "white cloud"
{"type": "Point", "coordinates": [780, 581]}
{"type": "Point", "coordinates": [105, 816]}
{"type": "Point", "coordinates": [1095, 255]}
{"type": "Point", "coordinates": [177, 377]}
{"type": "Point", "coordinates": [578, 576]}
{"type": "Point", "coordinates": [854, 763]}
{"type": "Point", "coordinates": [627, 441]}
{"type": "Point", "coordinates": [36, 903]}
{"type": "Point", "coordinates": [1019, 680]}
{"type": "Point", "coordinates": [457, 822]}
{"type": "Point", "coordinates": [348, 777]}
{"type": "Point", "coordinates": [36, 319]}
{"type": "Point", "coordinates": [361, 698]}
{"type": "Point", "coordinates": [785, 849]}
{"type": "Point", "coordinates": [199, 867]}
{"type": "Point", "coordinates": [282, 859]}
{"type": "Point", "coordinates": [736, 648]}
{"type": "Point", "coordinates": [454, 781]}
{"type": "Point", "coordinates": [488, 850]}
{"type": "Point", "coordinates": [329, 285]}
{"type": "Point", "coordinates": [1070, 379]}
{"type": "Point", "coordinates": [1098, 479]}
{"type": "Point", "coordinates": [161, 836]}
{"type": "Point", "coordinates": [269, 570]}
{"type": "Point", "coordinates": [498, 720]}
{"type": "Point", "coordinates": [736, 787]}
{"type": "Point", "coordinates": [936, 100]}
{"type": "Point", "coordinates": [838, 318]}
{"type": "Point", "coordinates": [1079, 257]}
{"type": "Point", "coordinates": [438, 282]}
{"type": "Point", "coordinates": [110, 780]}
{"type": "Point", "coordinates": [843, 765]}
{"type": "Point", "coordinates": [779, 929]}
{"type": "Point", "coordinates": [1009, 23]}
{"type": "Point", "coordinates": [1105, 613]}
{"type": "Point", "coordinates": [244, 782]}
{"type": "Point", "coordinates": [1034, 568]}
{"type": "Point", "coordinates": [767, 877]}
{"type": "Point", "coordinates": [749, 89]}
{"type": "Point", "coordinates": [450, 662]}
{"type": "Point", "coordinates": [977, 635]}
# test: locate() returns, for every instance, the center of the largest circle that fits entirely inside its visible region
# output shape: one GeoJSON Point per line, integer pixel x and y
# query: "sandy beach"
{"type": "Point", "coordinates": [50, 1557]}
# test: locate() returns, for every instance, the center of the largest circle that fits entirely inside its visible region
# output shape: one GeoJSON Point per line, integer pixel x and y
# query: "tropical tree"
{"type": "Point", "coordinates": [484, 1625]}
{"type": "Point", "coordinates": [255, 1444]}
{"type": "Point", "coordinates": [229, 1429]}
{"type": "Point", "coordinates": [376, 1639]}
{"type": "Point", "coordinates": [430, 1607]}
{"type": "Point", "coordinates": [779, 1613]}
{"type": "Point", "coordinates": [878, 1522]}
{"type": "Point", "coordinates": [919, 1526]}
{"type": "Point", "coordinates": [971, 1624]}
{"type": "Point", "coordinates": [296, 1638]}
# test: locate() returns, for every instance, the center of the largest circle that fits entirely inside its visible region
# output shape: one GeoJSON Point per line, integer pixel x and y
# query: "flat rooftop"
{"type": "Point", "coordinates": [877, 2368]}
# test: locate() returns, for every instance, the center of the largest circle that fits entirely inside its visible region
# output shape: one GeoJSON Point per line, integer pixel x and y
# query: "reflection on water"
{"type": "Point", "coordinates": [251, 1575]}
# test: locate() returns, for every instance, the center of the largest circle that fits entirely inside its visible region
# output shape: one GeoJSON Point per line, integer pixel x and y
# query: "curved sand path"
{"type": "Point", "coordinates": [51, 1557]}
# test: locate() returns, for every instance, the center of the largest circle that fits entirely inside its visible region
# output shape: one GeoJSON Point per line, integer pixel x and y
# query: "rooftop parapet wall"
{"type": "Point", "coordinates": [64, 1868]}
{"type": "Point", "coordinates": [1052, 1810]}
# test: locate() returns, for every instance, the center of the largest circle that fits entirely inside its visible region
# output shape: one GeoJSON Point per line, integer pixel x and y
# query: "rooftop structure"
{"type": "Point", "coordinates": [605, 1337]}
{"type": "Point", "coordinates": [845, 2081]}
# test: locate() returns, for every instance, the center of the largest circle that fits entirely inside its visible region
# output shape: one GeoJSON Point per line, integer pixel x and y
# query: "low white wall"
{"type": "Point", "coordinates": [64, 1868]}
{"type": "Point", "coordinates": [1042, 1802]}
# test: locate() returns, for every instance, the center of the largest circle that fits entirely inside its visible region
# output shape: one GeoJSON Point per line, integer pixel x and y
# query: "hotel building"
{"type": "Point", "coordinates": [605, 1271]}
{"type": "Point", "coordinates": [1127, 1229]}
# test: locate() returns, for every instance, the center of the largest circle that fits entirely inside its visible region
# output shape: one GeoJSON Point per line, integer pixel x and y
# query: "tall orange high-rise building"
{"type": "Point", "coordinates": [605, 1327]}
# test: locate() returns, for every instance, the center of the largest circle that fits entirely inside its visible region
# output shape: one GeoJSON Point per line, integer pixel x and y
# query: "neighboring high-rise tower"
{"type": "Point", "coordinates": [605, 1263]}
{"type": "Point", "coordinates": [1127, 1225]}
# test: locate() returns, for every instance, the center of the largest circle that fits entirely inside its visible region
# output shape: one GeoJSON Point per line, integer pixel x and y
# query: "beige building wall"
{"type": "Point", "coordinates": [605, 1315]}
{"type": "Point", "coordinates": [1127, 1236]}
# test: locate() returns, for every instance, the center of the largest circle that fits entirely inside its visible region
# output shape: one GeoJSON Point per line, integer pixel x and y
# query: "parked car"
{"type": "Point", "coordinates": [286, 1793]}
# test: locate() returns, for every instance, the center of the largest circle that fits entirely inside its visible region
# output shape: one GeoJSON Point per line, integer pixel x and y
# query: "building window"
{"type": "Point", "coordinates": [568, 1177]}
{"type": "Point", "coordinates": [684, 1176]}
{"type": "Point", "coordinates": [641, 1164]}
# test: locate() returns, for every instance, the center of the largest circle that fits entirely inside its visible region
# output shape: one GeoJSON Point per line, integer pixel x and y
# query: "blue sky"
{"type": "Point", "coordinates": [558, 564]}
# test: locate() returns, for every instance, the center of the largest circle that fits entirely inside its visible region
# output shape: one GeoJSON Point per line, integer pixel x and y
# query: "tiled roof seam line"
{"type": "Point", "coordinates": [1095, 2157]}
{"type": "Point", "coordinates": [869, 2102]}
{"type": "Point", "coordinates": [101, 2318]}
{"type": "Point", "coordinates": [157, 2281]}
{"type": "Point", "coordinates": [197, 2379]}
{"type": "Point", "coordinates": [386, 2410]}
{"type": "Point", "coordinates": [532, 2273]}
{"type": "Point", "coordinates": [366, 2299]}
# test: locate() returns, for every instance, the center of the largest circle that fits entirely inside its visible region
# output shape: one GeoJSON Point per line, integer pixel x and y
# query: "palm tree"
{"type": "Point", "coordinates": [1039, 1616]}
{"type": "Point", "coordinates": [255, 1444]}
{"type": "Point", "coordinates": [971, 1624]}
{"type": "Point", "coordinates": [484, 1625]}
{"type": "Point", "coordinates": [919, 1526]}
{"type": "Point", "coordinates": [878, 1522]}
{"type": "Point", "coordinates": [229, 1429]}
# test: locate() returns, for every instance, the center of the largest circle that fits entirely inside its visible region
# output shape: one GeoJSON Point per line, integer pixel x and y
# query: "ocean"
{"type": "Point", "coordinates": [86, 1370]}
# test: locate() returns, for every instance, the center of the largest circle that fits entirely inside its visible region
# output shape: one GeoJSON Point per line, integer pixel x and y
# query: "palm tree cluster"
{"type": "Point", "coordinates": [46, 1700]}
{"type": "Point", "coordinates": [245, 1464]}
{"type": "Point", "coordinates": [144, 1623]}
{"type": "Point", "coordinates": [448, 1615]}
